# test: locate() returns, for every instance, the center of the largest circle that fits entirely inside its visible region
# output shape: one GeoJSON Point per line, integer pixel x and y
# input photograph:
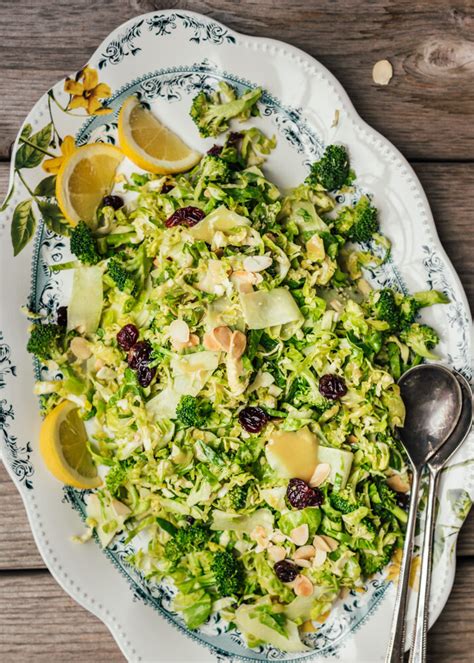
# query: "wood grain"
{"type": "Point", "coordinates": [39, 620]}
{"type": "Point", "coordinates": [426, 110]}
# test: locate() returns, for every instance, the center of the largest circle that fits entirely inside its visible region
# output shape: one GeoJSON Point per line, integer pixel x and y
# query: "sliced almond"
{"type": "Point", "coordinates": [242, 282]}
{"type": "Point", "coordinates": [191, 343]}
{"type": "Point", "coordinates": [299, 535]}
{"type": "Point", "coordinates": [210, 342]}
{"type": "Point", "coordinates": [396, 483]}
{"type": "Point", "coordinates": [305, 552]}
{"type": "Point", "coordinates": [382, 72]}
{"type": "Point", "coordinates": [276, 553]}
{"type": "Point", "coordinates": [352, 439]}
{"type": "Point", "coordinates": [344, 592]}
{"type": "Point", "coordinates": [304, 563]}
{"type": "Point", "coordinates": [257, 263]}
{"type": "Point", "coordinates": [80, 348]}
{"type": "Point", "coordinates": [179, 331]}
{"type": "Point", "coordinates": [320, 474]}
{"type": "Point", "coordinates": [332, 543]}
{"type": "Point", "coordinates": [278, 537]}
{"type": "Point", "coordinates": [320, 543]}
{"type": "Point", "coordinates": [223, 336]}
{"type": "Point", "coordinates": [238, 343]}
{"type": "Point", "coordinates": [303, 586]}
{"type": "Point", "coordinates": [319, 558]}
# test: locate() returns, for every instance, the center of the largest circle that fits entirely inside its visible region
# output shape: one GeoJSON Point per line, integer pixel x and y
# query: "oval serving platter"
{"type": "Point", "coordinates": [166, 58]}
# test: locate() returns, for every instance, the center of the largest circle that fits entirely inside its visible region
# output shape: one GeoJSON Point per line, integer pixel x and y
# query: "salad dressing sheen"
{"type": "Point", "coordinates": [293, 454]}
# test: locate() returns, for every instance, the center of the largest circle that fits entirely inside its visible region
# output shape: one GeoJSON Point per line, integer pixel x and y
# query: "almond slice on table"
{"type": "Point", "coordinates": [382, 72]}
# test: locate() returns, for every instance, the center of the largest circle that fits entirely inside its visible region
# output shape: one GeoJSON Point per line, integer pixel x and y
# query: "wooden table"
{"type": "Point", "coordinates": [427, 111]}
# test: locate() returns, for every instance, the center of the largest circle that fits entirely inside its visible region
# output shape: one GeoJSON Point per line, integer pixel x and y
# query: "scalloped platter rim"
{"type": "Point", "coordinates": [301, 103]}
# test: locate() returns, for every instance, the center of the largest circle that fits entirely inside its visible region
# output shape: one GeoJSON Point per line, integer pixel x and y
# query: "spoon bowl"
{"type": "Point", "coordinates": [433, 402]}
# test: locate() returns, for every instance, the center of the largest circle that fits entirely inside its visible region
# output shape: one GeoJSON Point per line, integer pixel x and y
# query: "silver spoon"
{"type": "Point", "coordinates": [435, 465]}
{"type": "Point", "coordinates": [433, 402]}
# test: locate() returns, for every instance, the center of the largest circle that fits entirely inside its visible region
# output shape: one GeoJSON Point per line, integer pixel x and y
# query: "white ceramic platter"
{"type": "Point", "coordinates": [166, 58]}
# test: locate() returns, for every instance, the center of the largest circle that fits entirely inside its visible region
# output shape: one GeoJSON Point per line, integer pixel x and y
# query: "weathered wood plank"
{"type": "Point", "coordinates": [39, 620]}
{"type": "Point", "coordinates": [426, 110]}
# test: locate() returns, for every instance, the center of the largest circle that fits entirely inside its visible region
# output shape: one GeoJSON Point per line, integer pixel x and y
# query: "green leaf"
{"type": "Point", "coordinates": [23, 226]}
{"type": "Point", "coordinates": [47, 187]}
{"type": "Point", "coordinates": [29, 157]}
{"type": "Point", "coordinates": [53, 218]}
{"type": "Point", "coordinates": [26, 131]}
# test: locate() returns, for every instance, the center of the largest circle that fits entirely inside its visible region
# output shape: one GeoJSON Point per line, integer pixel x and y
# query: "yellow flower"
{"type": "Point", "coordinates": [87, 91]}
{"type": "Point", "coordinates": [52, 166]}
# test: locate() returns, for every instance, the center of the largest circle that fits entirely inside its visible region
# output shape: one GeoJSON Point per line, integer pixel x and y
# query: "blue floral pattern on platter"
{"type": "Point", "coordinates": [163, 25]}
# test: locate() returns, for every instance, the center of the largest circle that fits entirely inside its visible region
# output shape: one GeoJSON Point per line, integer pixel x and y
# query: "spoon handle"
{"type": "Point", "coordinates": [418, 648]}
{"type": "Point", "coordinates": [396, 648]}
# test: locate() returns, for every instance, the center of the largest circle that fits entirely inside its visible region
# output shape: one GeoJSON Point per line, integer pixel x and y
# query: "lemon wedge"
{"type": "Point", "coordinates": [85, 177]}
{"type": "Point", "coordinates": [150, 144]}
{"type": "Point", "coordinates": [63, 446]}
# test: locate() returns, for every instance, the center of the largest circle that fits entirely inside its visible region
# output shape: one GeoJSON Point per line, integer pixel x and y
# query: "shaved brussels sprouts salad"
{"type": "Point", "coordinates": [238, 376]}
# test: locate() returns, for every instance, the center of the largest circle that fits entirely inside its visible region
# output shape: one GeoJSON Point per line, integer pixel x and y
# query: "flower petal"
{"type": "Point", "coordinates": [68, 146]}
{"type": "Point", "coordinates": [102, 91]}
{"type": "Point", "coordinates": [73, 87]}
{"type": "Point", "coordinates": [77, 102]}
{"type": "Point", "coordinates": [93, 104]}
{"type": "Point", "coordinates": [52, 166]}
{"type": "Point", "coordinates": [90, 78]}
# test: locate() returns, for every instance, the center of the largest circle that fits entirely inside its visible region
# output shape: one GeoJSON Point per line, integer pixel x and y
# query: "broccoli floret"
{"type": "Point", "coordinates": [341, 503]}
{"type": "Point", "coordinates": [229, 574]}
{"type": "Point", "coordinates": [371, 563]}
{"type": "Point", "coordinates": [129, 271]}
{"type": "Point", "coordinates": [421, 339]}
{"type": "Point", "coordinates": [193, 411]}
{"type": "Point", "coordinates": [410, 305]}
{"type": "Point", "coordinates": [212, 113]}
{"type": "Point", "coordinates": [358, 223]}
{"type": "Point", "coordinates": [44, 341]}
{"type": "Point", "coordinates": [408, 310]}
{"type": "Point", "coordinates": [83, 244]}
{"type": "Point", "coordinates": [235, 499]}
{"type": "Point", "coordinates": [120, 276]}
{"type": "Point", "coordinates": [384, 502]}
{"type": "Point", "coordinates": [332, 170]}
{"type": "Point", "coordinates": [214, 169]}
{"type": "Point", "coordinates": [384, 307]}
{"type": "Point", "coordinates": [186, 540]}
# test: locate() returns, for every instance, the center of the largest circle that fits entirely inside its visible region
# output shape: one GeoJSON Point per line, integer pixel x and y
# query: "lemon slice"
{"type": "Point", "coordinates": [85, 177]}
{"type": "Point", "coordinates": [63, 446]}
{"type": "Point", "coordinates": [151, 145]}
